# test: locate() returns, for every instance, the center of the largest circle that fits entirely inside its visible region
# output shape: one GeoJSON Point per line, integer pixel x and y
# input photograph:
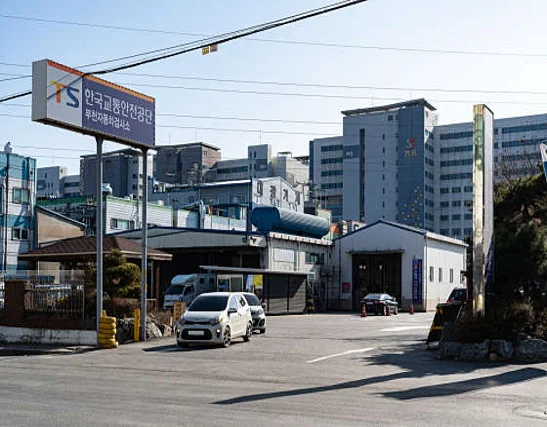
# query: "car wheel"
{"type": "Point", "coordinates": [249, 333]}
{"type": "Point", "coordinates": [263, 331]}
{"type": "Point", "coordinates": [227, 337]}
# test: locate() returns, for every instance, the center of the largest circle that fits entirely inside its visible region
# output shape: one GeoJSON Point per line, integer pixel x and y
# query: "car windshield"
{"type": "Point", "coordinates": [174, 290]}
{"type": "Point", "coordinates": [252, 299]}
{"type": "Point", "coordinates": [209, 303]}
{"type": "Point", "coordinates": [374, 296]}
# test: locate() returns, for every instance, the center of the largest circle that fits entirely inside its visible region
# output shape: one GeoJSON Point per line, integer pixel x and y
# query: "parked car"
{"type": "Point", "coordinates": [257, 312]}
{"type": "Point", "coordinates": [458, 295]}
{"type": "Point", "coordinates": [378, 303]}
{"type": "Point", "coordinates": [215, 318]}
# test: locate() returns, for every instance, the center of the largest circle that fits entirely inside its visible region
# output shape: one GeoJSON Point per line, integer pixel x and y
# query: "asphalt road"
{"type": "Point", "coordinates": [314, 370]}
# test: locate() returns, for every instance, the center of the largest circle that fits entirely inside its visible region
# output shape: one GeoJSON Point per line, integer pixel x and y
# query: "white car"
{"type": "Point", "coordinates": [257, 312]}
{"type": "Point", "coordinates": [215, 318]}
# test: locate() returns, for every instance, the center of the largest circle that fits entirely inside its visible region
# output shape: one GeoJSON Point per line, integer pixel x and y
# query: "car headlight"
{"type": "Point", "coordinates": [260, 311]}
{"type": "Point", "coordinates": [215, 320]}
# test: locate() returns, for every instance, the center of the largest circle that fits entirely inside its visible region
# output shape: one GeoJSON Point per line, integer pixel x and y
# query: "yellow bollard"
{"type": "Point", "coordinates": [136, 324]}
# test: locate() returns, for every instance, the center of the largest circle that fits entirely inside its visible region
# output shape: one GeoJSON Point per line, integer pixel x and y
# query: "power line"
{"type": "Point", "coordinates": [220, 39]}
{"type": "Point", "coordinates": [327, 86]}
{"type": "Point", "coordinates": [281, 41]}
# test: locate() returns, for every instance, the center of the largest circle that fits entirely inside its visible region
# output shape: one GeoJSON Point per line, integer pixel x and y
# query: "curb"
{"type": "Point", "coordinates": [22, 350]}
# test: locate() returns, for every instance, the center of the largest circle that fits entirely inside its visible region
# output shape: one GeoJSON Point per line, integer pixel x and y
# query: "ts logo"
{"type": "Point", "coordinates": [74, 102]}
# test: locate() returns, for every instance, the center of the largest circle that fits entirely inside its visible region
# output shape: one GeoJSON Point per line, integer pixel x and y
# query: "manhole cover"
{"type": "Point", "coordinates": [538, 414]}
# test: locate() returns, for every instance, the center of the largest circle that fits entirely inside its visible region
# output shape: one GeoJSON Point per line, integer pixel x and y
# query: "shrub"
{"type": "Point", "coordinates": [121, 307]}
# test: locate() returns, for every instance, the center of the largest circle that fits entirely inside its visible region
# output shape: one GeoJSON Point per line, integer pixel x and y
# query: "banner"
{"type": "Point", "coordinates": [417, 281]}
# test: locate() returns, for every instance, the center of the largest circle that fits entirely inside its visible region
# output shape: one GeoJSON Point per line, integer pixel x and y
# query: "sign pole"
{"type": "Point", "coordinates": [99, 228]}
{"type": "Point", "coordinates": [144, 263]}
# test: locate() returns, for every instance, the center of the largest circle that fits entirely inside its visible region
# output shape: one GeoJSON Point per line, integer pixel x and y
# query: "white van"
{"type": "Point", "coordinates": [186, 287]}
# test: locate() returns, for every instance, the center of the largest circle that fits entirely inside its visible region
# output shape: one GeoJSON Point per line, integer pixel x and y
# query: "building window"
{"type": "Point", "coordinates": [390, 117]}
{"type": "Point", "coordinates": [384, 150]}
{"type": "Point", "coordinates": [431, 274]}
{"type": "Point", "coordinates": [451, 275]}
{"type": "Point", "coordinates": [314, 258]}
{"type": "Point", "coordinates": [21, 195]}
{"type": "Point", "coordinates": [445, 190]}
{"type": "Point", "coordinates": [456, 232]}
{"type": "Point", "coordinates": [456, 217]}
{"type": "Point", "coordinates": [456, 189]}
{"type": "Point", "coordinates": [19, 234]}
{"type": "Point", "coordinates": [444, 217]}
{"type": "Point", "coordinates": [468, 216]}
{"type": "Point", "coordinates": [440, 274]}
{"type": "Point", "coordinates": [445, 231]}
{"type": "Point", "coordinates": [456, 203]}
{"type": "Point", "coordinates": [444, 204]}
{"type": "Point", "coordinates": [121, 224]}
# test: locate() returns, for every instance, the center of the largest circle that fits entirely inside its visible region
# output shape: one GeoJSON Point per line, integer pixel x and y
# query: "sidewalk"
{"type": "Point", "coordinates": [36, 349]}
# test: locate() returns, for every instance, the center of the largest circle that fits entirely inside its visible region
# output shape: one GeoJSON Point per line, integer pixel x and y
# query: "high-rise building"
{"type": "Point", "coordinates": [326, 174]}
{"type": "Point", "coordinates": [185, 163]}
{"type": "Point", "coordinates": [122, 169]}
{"type": "Point", "coordinates": [395, 162]}
{"type": "Point", "coordinates": [53, 181]}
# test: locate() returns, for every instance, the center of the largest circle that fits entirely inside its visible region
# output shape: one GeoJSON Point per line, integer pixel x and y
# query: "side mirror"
{"type": "Point", "coordinates": [263, 305]}
{"type": "Point", "coordinates": [232, 311]}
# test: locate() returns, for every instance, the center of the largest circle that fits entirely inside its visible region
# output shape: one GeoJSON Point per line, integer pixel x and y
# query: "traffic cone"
{"type": "Point", "coordinates": [363, 310]}
{"type": "Point", "coordinates": [411, 311]}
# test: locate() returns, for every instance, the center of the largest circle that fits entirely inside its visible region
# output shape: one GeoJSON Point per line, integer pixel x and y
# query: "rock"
{"type": "Point", "coordinates": [531, 350]}
{"type": "Point", "coordinates": [477, 351]}
{"type": "Point", "coordinates": [449, 349]}
{"type": "Point", "coordinates": [152, 331]}
{"type": "Point", "coordinates": [503, 349]}
{"type": "Point", "coordinates": [167, 331]}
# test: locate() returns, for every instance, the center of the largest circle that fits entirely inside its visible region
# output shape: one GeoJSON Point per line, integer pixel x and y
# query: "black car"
{"type": "Point", "coordinates": [458, 295]}
{"type": "Point", "coordinates": [379, 303]}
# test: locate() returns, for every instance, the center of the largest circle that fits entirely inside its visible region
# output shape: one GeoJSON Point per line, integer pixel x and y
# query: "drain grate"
{"type": "Point", "coordinates": [530, 412]}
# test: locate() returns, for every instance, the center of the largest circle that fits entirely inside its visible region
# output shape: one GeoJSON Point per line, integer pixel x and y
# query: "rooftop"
{"type": "Point", "coordinates": [384, 108]}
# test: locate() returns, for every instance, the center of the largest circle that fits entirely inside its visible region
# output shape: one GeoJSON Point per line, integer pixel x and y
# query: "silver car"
{"type": "Point", "coordinates": [257, 312]}
{"type": "Point", "coordinates": [215, 318]}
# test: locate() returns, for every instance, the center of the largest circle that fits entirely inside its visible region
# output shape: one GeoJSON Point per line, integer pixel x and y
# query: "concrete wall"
{"type": "Point", "coordinates": [16, 335]}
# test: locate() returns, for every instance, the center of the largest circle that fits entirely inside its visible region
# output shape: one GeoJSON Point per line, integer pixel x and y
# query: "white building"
{"type": "Point", "coordinates": [415, 266]}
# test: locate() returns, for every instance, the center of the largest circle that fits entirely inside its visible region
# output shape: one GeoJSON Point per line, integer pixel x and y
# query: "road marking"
{"type": "Point", "coordinates": [404, 328]}
{"type": "Point", "coordinates": [345, 353]}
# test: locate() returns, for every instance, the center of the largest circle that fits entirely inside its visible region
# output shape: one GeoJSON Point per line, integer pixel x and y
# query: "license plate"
{"type": "Point", "coordinates": [196, 333]}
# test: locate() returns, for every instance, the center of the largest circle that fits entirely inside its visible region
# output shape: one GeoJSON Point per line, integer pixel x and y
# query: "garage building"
{"type": "Point", "coordinates": [418, 267]}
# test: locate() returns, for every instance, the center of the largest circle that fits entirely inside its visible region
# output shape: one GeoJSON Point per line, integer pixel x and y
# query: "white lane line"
{"type": "Point", "coordinates": [404, 328]}
{"type": "Point", "coordinates": [345, 353]}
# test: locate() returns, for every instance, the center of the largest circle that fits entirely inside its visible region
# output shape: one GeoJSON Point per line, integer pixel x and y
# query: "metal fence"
{"type": "Point", "coordinates": [59, 295]}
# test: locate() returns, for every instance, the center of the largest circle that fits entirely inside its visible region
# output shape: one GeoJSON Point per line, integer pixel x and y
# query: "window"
{"type": "Point", "coordinates": [456, 203]}
{"type": "Point", "coordinates": [445, 190]}
{"type": "Point", "coordinates": [431, 274]}
{"type": "Point", "coordinates": [468, 216]}
{"type": "Point", "coordinates": [444, 217]}
{"type": "Point", "coordinates": [314, 258]}
{"type": "Point", "coordinates": [445, 231]}
{"type": "Point", "coordinates": [19, 234]}
{"type": "Point", "coordinates": [456, 189]}
{"type": "Point", "coordinates": [444, 204]}
{"type": "Point", "coordinates": [456, 232]}
{"type": "Point", "coordinates": [384, 150]}
{"type": "Point", "coordinates": [233, 303]}
{"type": "Point", "coordinates": [456, 217]}
{"type": "Point", "coordinates": [20, 195]}
{"type": "Point", "coordinates": [440, 274]}
{"type": "Point", "coordinates": [390, 117]}
{"type": "Point", "coordinates": [468, 188]}
{"type": "Point", "coordinates": [451, 275]}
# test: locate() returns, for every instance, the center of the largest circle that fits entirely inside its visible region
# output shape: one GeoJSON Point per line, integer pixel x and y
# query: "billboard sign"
{"type": "Point", "coordinates": [68, 98]}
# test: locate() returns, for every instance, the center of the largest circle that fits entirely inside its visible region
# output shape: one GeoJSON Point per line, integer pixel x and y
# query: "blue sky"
{"type": "Point", "coordinates": [503, 27]}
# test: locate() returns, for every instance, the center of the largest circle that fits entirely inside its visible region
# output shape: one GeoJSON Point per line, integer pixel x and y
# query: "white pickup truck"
{"type": "Point", "coordinates": [186, 287]}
